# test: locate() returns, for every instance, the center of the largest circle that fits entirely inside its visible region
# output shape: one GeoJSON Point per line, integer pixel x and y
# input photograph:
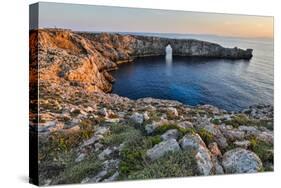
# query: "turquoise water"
{"type": "Point", "coordinates": [229, 84]}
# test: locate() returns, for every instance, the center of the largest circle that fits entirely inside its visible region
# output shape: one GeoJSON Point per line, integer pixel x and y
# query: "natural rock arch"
{"type": "Point", "coordinates": [168, 50]}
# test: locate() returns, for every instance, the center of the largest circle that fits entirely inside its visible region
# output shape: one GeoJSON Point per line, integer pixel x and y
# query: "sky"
{"type": "Point", "coordinates": [118, 19]}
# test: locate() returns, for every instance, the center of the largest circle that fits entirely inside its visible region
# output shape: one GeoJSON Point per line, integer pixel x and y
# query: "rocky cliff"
{"type": "Point", "coordinates": [88, 135]}
{"type": "Point", "coordinates": [84, 59]}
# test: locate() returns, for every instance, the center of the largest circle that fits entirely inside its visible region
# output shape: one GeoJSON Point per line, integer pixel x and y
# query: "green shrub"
{"type": "Point", "coordinates": [76, 172]}
{"type": "Point", "coordinates": [206, 136]}
{"type": "Point", "coordinates": [132, 156]}
{"type": "Point", "coordinates": [162, 129]}
{"type": "Point", "coordinates": [178, 164]}
{"type": "Point", "coordinates": [154, 139]}
{"type": "Point", "coordinates": [262, 149]}
{"type": "Point", "coordinates": [120, 133]}
{"type": "Point", "coordinates": [216, 121]}
{"type": "Point", "coordinates": [240, 119]}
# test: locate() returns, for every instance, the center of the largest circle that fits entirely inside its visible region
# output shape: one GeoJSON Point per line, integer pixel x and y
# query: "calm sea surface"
{"type": "Point", "coordinates": [229, 84]}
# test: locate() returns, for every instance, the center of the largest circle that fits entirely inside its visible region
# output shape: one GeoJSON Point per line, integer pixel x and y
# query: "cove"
{"type": "Point", "coordinates": [228, 84]}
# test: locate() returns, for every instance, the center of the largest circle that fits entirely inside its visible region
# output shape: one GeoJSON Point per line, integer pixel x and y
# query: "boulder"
{"type": "Point", "coordinates": [149, 128]}
{"type": "Point", "coordinates": [203, 158]}
{"type": "Point", "coordinates": [92, 140]}
{"type": "Point", "coordinates": [104, 112]}
{"type": "Point", "coordinates": [241, 161]}
{"type": "Point", "coordinates": [137, 118]}
{"type": "Point", "coordinates": [162, 148]}
{"type": "Point", "coordinates": [249, 130]}
{"type": "Point", "coordinates": [242, 144]}
{"type": "Point", "coordinates": [185, 125]}
{"type": "Point", "coordinates": [105, 153]}
{"type": "Point", "coordinates": [234, 134]}
{"type": "Point", "coordinates": [172, 111]}
{"type": "Point", "coordinates": [170, 134]}
{"type": "Point", "coordinates": [214, 130]}
{"type": "Point", "coordinates": [266, 136]}
{"type": "Point", "coordinates": [145, 116]}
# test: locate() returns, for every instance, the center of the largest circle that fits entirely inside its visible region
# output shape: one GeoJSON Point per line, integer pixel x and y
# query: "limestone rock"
{"type": "Point", "coordinates": [149, 128]}
{"type": "Point", "coordinates": [162, 148]}
{"type": "Point", "coordinates": [203, 158]}
{"type": "Point", "coordinates": [185, 125]}
{"type": "Point", "coordinates": [137, 118]}
{"type": "Point", "coordinates": [242, 144]}
{"type": "Point", "coordinates": [105, 153]}
{"type": "Point", "coordinates": [170, 134]}
{"type": "Point", "coordinates": [241, 161]}
{"type": "Point", "coordinates": [172, 112]}
{"type": "Point", "coordinates": [266, 136]}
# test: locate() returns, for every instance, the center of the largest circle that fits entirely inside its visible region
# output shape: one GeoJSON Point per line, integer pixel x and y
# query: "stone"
{"type": "Point", "coordinates": [104, 112]}
{"type": "Point", "coordinates": [72, 129]}
{"type": "Point", "coordinates": [149, 128]}
{"type": "Point", "coordinates": [162, 148]}
{"type": "Point", "coordinates": [112, 178]}
{"type": "Point", "coordinates": [145, 116]}
{"type": "Point", "coordinates": [137, 118]}
{"type": "Point", "coordinates": [98, 146]}
{"type": "Point", "coordinates": [241, 161]}
{"type": "Point", "coordinates": [249, 130]}
{"type": "Point", "coordinates": [234, 134]}
{"type": "Point", "coordinates": [242, 144]}
{"type": "Point", "coordinates": [172, 111]}
{"type": "Point", "coordinates": [101, 130]}
{"type": "Point", "coordinates": [96, 178]}
{"type": "Point", "coordinates": [218, 169]}
{"type": "Point", "coordinates": [214, 149]}
{"type": "Point", "coordinates": [59, 126]}
{"type": "Point", "coordinates": [92, 140]}
{"type": "Point", "coordinates": [105, 153]}
{"type": "Point", "coordinates": [114, 120]}
{"type": "Point", "coordinates": [203, 158]}
{"type": "Point", "coordinates": [214, 130]}
{"type": "Point", "coordinates": [80, 157]}
{"type": "Point", "coordinates": [89, 109]}
{"type": "Point", "coordinates": [266, 136]}
{"type": "Point", "coordinates": [185, 125]}
{"type": "Point", "coordinates": [170, 134]}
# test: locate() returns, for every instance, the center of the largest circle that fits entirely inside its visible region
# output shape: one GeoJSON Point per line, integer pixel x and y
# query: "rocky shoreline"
{"type": "Point", "coordinates": [88, 135]}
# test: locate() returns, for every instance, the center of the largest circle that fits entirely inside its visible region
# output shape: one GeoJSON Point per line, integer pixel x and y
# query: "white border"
{"type": "Point", "coordinates": [14, 90]}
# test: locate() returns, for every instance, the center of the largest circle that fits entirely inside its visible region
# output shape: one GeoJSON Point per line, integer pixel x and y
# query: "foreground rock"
{"type": "Point", "coordinates": [162, 148]}
{"type": "Point", "coordinates": [241, 161]}
{"type": "Point", "coordinates": [202, 154]}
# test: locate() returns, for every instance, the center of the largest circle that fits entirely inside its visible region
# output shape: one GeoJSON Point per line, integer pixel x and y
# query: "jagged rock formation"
{"type": "Point", "coordinates": [84, 59]}
{"type": "Point", "coordinates": [89, 135]}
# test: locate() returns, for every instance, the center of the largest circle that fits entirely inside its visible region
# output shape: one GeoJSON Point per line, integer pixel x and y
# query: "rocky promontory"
{"type": "Point", "coordinates": [88, 135]}
{"type": "Point", "coordinates": [85, 59]}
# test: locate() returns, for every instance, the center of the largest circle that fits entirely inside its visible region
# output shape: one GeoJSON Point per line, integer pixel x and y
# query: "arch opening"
{"type": "Point", "coordinates": [169, 50]}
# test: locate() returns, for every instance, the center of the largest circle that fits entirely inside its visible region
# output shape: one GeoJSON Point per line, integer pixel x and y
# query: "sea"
{"type": "Point", "coordinates": [232, 85]}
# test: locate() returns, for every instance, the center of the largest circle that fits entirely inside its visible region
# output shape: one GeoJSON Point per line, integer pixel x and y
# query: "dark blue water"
{"type": "Point", "coordinates": [229, 84]}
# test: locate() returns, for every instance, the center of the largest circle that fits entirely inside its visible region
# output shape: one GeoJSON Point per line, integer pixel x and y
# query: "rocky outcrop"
{"type": "Point", "coordinates": [146, 46]}
{"type": "Point", "coordinates": [74, 59]}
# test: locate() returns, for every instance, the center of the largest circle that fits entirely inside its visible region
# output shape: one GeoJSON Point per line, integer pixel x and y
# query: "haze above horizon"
{"type": "Point", "coordinates": [120, 19]}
